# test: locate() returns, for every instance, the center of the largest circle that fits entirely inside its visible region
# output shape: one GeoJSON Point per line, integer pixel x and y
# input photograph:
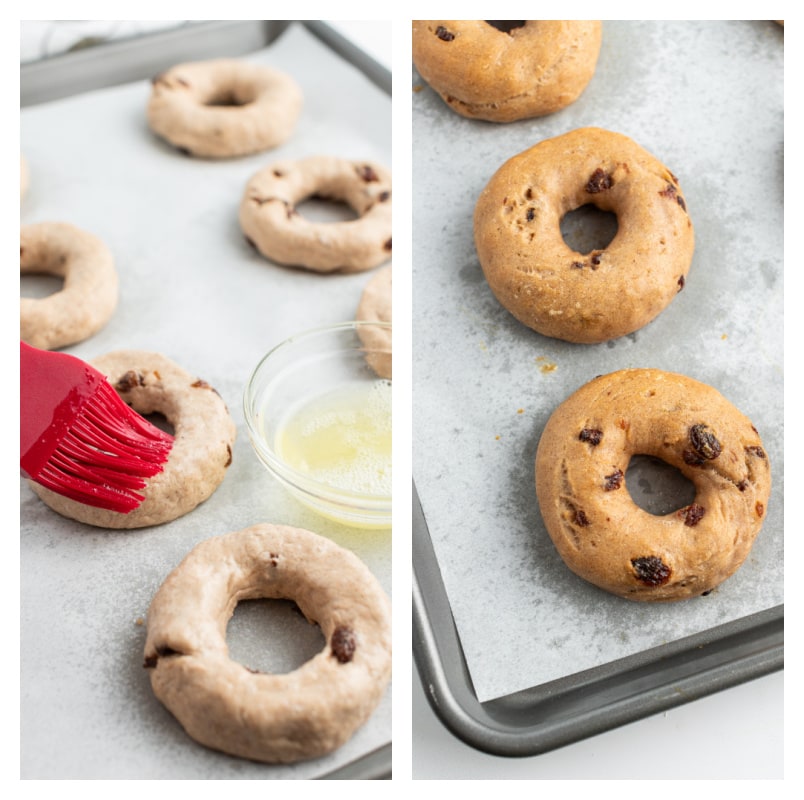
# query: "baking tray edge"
{"type": "Point", "coordinates": [126, 60]}
{"type": "Point", "coordinates": [558, 713]}
{"type": "Point", "coordinates": [378, 74]}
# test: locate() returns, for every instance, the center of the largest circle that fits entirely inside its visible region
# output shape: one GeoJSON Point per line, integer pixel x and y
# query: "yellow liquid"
{"type": "Point", "coordinates": [342, 438]}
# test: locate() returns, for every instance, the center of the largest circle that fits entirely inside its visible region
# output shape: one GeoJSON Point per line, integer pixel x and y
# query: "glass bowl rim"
{"type": "Point", "coordinates": [295, 479]}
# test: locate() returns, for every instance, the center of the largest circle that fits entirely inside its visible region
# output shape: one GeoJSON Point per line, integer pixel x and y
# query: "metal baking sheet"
{"type": "Point", "coordinates": [193, 289]}
{"type": "Point", "coordinates": [517, 654]}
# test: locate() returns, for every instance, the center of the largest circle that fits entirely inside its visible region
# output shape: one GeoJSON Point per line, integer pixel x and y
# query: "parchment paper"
{"type": "Point", "coordinates": [193, 289]}
{"type": "Point", "coordinates": [706, 98]}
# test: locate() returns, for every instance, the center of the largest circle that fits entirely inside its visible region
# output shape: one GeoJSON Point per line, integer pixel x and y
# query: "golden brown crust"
{"type": "Point", "coordinates": [88, 298]}
{"type": "Point", "coordinates": [224, 108]}
{"type": "Point", "coordinates": [265, 717]}
{"type": "Point", "coordinates": [485, 73]}
{"type": "Point", "coordinates": [601, 534]}
{"type": "Point", "coordinates": [202, 449]}
{"type": "Point", "coordinates": [557, 291]}
{"type": "Point", "coordinates": [269, 219]}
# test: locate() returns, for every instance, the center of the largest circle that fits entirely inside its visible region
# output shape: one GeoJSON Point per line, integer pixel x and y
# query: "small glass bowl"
{"type": "Point", "coordinates": [349, 359]}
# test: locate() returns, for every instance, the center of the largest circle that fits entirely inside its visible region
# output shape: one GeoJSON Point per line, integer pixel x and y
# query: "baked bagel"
{"type": "Point", "coordinates": [584, 297]}
{"type": "Point", "coordinates": [506, 71]}
{"type": "Point", "coordinates": [601, 534]}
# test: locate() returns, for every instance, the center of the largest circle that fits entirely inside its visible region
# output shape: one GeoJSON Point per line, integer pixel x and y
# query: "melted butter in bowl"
{"type": "Point", "coordinates": [319, 418]}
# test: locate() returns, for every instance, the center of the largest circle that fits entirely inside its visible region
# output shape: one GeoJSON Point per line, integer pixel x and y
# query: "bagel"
{"type": "Point", "coordinates": [502, 72]}
{"type": "Point", "coordinates": [601, 534]}
{"type": "Point", "coordinates": [204, 435]}
{"type": "Point", "coordinates": [376, 299]}
{"type": "Point", "coordinates": [584, 297]}
{"type": "Point", "coordinates": [271, 223]}
{"type": "Point", "coordinates": [375, 306]}
{"type": "Point", "coordinates": [223, 108]}
{"type": "Point", "coordinates": [275, 718]}
{"type": "Point", "coordinates": [89, 295]}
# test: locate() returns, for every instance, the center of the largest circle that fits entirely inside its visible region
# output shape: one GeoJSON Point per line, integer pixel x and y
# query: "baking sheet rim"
{"type": "Point", "coordinates": [511, 725]}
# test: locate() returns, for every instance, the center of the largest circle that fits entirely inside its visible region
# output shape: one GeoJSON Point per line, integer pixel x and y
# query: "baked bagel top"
{"type": "Point", "coordinates": [607, 292]}
{"type": "Point", "coordinates": [510, 72]}
{"type": "Point", "coordinates": [581, 484]}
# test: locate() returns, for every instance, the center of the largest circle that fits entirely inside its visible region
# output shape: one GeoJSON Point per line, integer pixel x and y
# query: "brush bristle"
{"type": "Point", "coordinates": [107, 454]}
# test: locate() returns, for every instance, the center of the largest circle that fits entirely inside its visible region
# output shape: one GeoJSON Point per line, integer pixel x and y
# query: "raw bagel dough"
{"type": "Point", "coordinates": [271, 223]}
{"type": "Point", "coordinates": [224, 107]}
{"type": "Point", "coordinates": [376, 307]}
{"type": "Point", "coordinates": [88, 298]}
{"type": "Point", "coordinates": [204, 435]}
{"type": "Point", "coordinates": [265, 717]}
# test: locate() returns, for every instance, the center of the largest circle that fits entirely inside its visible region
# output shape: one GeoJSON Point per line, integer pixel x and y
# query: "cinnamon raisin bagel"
{"type": "Point", "coordinates": [601, 534]}
{"type": "Point", "coordinates": [607, 292]}
{"type": "Point", "coordinates": [506, 71]}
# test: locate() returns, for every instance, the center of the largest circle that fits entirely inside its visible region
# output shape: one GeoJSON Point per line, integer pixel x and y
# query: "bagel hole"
{"type": "Point", "coordinates": [588, 228]}
{"type": "Point", "coordinates": [272, 636]}
{"type": "Point", "coordinates": [228, 98]}
{"type": "Point", "coordinates": [506, 25]}
{"type": "Point", "coordinates": [656, 486]}
{"type": "Point", "coordinates": [318, 208]}
{"type": "Point", "coordinates": [159, 421]}
{"type": "Point", "coordinates": [40, 284]}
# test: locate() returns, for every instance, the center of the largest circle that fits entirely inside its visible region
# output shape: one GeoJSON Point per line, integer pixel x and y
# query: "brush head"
{"type": "Point", "coordinates": [79, 439]}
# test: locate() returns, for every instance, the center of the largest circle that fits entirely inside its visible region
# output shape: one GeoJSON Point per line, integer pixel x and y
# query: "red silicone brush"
{"type": "Point", "coordinates": [77, 436]}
